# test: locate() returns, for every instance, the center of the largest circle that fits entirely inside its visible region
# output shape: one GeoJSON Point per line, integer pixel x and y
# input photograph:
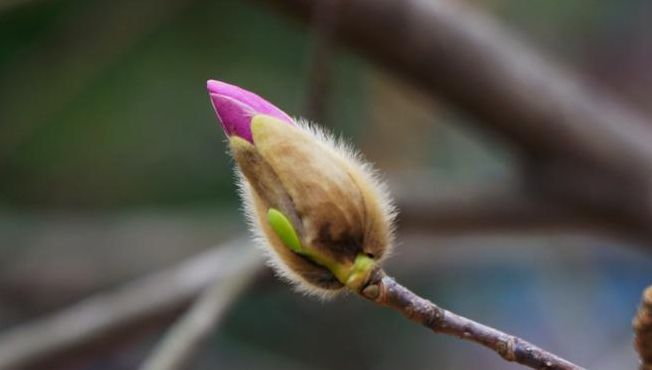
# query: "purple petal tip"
{"type": "Point", "coordinates": [235, 107]}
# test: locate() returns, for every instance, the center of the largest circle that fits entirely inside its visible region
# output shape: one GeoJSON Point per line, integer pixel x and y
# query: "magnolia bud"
{"type": "Point", "coordinates": [321, 214]}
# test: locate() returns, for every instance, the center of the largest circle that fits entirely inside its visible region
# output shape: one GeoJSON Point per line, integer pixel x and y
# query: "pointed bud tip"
{"type": "Point", "coordinates": [235, 108]}
{"type": "Point", "coordinates": [219, 87]}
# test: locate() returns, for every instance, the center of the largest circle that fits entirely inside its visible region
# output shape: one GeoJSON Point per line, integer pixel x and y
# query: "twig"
{"type": "Point", "coordinates": [643, 330]}
{"type": "Point", "coordinates": [159, 295]}
{"type": "Point", "coordinates": [188, 334]}
{"type": "Point", "coordinates": [385, 291]}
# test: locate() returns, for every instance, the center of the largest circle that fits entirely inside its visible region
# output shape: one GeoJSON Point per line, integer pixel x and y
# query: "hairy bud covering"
{"type": "Point", "coordinates": [318, 210]}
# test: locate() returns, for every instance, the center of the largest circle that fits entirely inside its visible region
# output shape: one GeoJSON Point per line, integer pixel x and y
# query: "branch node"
{"type": "Point", "coordinates": [435, 318]}
{"type": "Point", "coordinates": [371, 292]}
{"type": "Point", "coordinates": [506, 348]}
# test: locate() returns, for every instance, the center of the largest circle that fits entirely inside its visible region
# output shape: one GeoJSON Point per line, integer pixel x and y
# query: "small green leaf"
{"type": "Point", "coordinates": [284, 230]}
{"type": "Point", "coordinates": [350, 274]}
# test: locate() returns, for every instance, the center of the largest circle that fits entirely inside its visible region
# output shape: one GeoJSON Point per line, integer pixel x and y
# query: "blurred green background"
{"type": "Point", "coordinates": [112, 164]}
{"type": "Point", "coordinates": [104, 104]}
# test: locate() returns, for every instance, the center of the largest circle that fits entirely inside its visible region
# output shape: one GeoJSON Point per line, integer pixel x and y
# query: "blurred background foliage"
{"type": "Point", "coordinates": [112, 164]}
{"type": "Point", "coordinates": [104, 105]}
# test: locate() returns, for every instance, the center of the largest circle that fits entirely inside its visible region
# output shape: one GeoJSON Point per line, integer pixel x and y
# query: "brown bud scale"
{"type": "Point", "coordinates": [332, 198]}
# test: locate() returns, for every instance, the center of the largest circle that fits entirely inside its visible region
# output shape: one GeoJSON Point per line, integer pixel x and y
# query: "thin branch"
{"type": "Point", "coordinates": [190, 332]}
{"type": "Point", "coordinates": [643, 330]}
{"type": "Point", "coordinates": [384, 290]}
{"type": "Point", "coordinates": [156, 296]}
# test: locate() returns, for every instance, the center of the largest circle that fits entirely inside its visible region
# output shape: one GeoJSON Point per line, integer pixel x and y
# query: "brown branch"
{"type": "Point", "coordinates": [643, 330]}
{"type": "Point", "coordinates": [384, 290]}
{"type": "Point", "coordinates": [506, 207]}
{"type": "Point", "coordinates": [159, 295]}
{"type": "Point", "coordinates": [190, 332]}
{"type": "Point", "coordinates": [613, 197]}
{"type": "Point", "coordinates": [453, 51]}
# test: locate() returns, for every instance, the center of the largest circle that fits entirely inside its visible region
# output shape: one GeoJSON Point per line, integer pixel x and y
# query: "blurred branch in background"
{"type": "Point", "coordinates": [321, 59]}
{"type": "Point", "coordinates": [61, 256]}
{"type": "Point", "coordinates": [151, 300]}
{"type": "Point", "coordinates": [190, 332]}
{"type": "Point", "coordinates": [643, 330]}
{"type": "Point", "coordinates": [489, 207]}
{"type": "Point", "coordinates": [544, 111]}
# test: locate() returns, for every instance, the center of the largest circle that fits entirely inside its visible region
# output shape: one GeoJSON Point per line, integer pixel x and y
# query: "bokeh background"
{"type": "Point", "coordinates": [112, 165]}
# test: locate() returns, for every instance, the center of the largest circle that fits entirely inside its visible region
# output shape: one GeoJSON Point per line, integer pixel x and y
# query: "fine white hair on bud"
{"type": "Point", "coordinates": [320, 189]}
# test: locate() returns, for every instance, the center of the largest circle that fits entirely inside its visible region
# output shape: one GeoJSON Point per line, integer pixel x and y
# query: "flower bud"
{"type": "Point", "coordinates": [235, 107]}
{"type": "Point", "coordinates": [320, 213]}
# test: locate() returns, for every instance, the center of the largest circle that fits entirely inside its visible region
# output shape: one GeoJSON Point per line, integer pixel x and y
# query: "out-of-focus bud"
{"type": "Point", "coordinates": [235, 107]}
{"type": "Point", "coordinates": [325, 221]}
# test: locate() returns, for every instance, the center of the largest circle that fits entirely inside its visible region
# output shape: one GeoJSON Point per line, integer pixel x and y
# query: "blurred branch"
{"type": "Point", "coordinates": [614, 196]}
{"type": "Point", "coordinates": [432, 206]}
{"type": "Point", "coordinates": [643, 330]}
{"type": "Point", "coordinates": [94, 250]}
{"type": "Point", "coordinates": [189, 333]}
{"type": "Point", "coordinates": [546, 112]}
{"type": "Point", "coordinates": [490, 207]}
{"type": "Point", "coordinates": [384, 290]}
{"type": "Point", "coordinates": [321, 60]}
{"type": "Point", "coordinates": [156, 296]}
